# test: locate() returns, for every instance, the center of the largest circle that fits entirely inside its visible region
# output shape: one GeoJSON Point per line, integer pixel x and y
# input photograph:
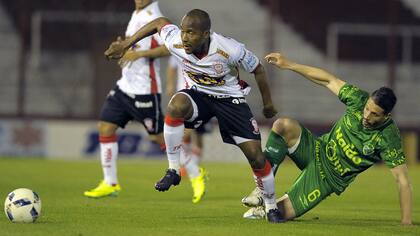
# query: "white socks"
{"type": "Point", "coordinates": [173, 131]}
{"type": "Point", "coordinates": [109, 155]}
{"type": "Point", "coordinates": [264, 179]}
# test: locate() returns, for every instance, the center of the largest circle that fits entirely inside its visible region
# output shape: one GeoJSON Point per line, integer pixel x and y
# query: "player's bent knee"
{"type": "Point", "coordinates": [180, 106]}
{"type": "Point", "coordinates": [106, 128]}
{"type": "Point", "coordinates": [286, 127]}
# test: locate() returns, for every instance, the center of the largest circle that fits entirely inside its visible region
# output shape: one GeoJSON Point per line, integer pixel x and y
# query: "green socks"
{"type": "Point", "coordinates": [275, 150]}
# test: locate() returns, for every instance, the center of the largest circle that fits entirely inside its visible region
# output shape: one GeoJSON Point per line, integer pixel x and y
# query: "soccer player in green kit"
{"type": "Point", "coordinates": [364, 135]}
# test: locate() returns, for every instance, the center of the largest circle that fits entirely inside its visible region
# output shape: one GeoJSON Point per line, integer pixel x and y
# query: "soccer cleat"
{"type": "Point", "coordinates": [103, 190]}
{"type": "Point", "coordinates": [170, 178]}
{"type": "Point", "coordinates": [254, 199]}
{"type": "Point", "coordinates": [255, 213]}
{"type": "Point", "coordinates": [199, 185]}
{"type": "Point", "coordinates": [274, 216]}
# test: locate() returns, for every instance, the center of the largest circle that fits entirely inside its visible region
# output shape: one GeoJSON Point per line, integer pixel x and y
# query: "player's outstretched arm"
{"type": "Point", "coordinates": [117, 48]}
{"type": "Point", "coordinates": [269, 111]}
{"type": "Point", "coordinates": [171, 77]}
{"type": "Point", "coordinates": [316, 75]}
{"type": "Point", "coordinates": [400, 174]}
{"type": "Point", "coordinates": [132, 55]}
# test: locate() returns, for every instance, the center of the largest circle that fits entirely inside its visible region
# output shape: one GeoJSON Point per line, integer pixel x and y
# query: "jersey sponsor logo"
{"type": "Point", "coordinates": [178, 46]}
{"type": "Point", "coordinates": [248, 60]}
{"type": "Point", "coordinates": [218, 67]}
{"type": "Point", "coordinates": [272, 149]}
{"type": "Point", "coordinates": [331, 153]}
{"type": "Point", "coordinates": [238, 100]}
{"type": "Point", "coordinates": [205, 79]}
{"type": "Point", "coordinates": [348, 148]}
{"type": "Point", "coordinates": [143, 104]}
{"type": "Point", "coordinates": [223, 53]}
{"type": "Point", "coordinates": [318, 158]}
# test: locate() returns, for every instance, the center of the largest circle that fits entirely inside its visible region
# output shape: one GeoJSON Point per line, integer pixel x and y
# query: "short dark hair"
{"type": "Point", "coordinates": [385, 98]}
{"type": "Point", "coordinates": [202, 19]}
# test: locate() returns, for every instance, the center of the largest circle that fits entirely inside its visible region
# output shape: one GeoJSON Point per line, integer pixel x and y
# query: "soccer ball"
{"type": "Point", "coordinates": [22, 206]}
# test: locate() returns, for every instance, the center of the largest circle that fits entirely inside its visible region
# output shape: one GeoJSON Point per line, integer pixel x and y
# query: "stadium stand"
{"type": "Point", "coordinates": [311, 20]}
{"type": "Point", "coordinates": [299, 32]}
{"type": "Point", "coordinates": [9, 49]}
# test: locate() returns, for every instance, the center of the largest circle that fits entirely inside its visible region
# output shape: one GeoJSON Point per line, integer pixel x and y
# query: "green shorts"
{"type": "Point", "coordinates": [310, 188]}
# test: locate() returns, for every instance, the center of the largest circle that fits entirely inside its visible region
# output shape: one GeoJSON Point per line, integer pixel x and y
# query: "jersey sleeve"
{"type": "Point", "coordinates": [244, 58]}
{"type": "Point", "coordinates": [168, 34]}
{"type": "Point", "coordinates": [158, 39]}
{"type": "Point", "coordinates": [392, 153]}
{"type": "Point", "coordinates": [352, 96]}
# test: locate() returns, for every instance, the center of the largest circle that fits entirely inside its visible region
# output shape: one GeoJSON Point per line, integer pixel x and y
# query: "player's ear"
{"type": "Point", "coordinates": [207, 33]}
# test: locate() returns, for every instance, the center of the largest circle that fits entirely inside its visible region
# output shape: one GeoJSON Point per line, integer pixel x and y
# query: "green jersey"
{"type": "Point", "coordinates": [350, 148]}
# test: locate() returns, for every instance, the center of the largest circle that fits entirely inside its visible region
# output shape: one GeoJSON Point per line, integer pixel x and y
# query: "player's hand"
{"type": "Point", "coordinates": [129, 56]}
{"type": "Point", "coordinates": [269, 111]}
{"type": "Point", "coordinates": [278, 60]}
{"type": "Point", "coordinates": [116, 50]}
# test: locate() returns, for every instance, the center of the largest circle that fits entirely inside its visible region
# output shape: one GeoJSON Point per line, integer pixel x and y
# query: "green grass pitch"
{"type": "Point", "coordinates": [368, 207]}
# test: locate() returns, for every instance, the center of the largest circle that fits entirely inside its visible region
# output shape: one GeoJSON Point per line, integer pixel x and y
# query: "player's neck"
{"type": "Point", "coordinates": [203, 51]}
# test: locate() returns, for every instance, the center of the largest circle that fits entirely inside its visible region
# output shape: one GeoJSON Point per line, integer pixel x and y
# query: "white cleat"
{"type": "Point", "coordinates": [255, 213]}
{"type": "Point", "coordinates": [254, 199]}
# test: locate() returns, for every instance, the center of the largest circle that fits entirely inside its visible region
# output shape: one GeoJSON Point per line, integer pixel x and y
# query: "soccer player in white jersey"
{"type": "Point", "coordinates": [210, 66]}
{"type": "Point", "coordinates": [191, 153]}
{"type": "Point", "coordinates": [135, 97]}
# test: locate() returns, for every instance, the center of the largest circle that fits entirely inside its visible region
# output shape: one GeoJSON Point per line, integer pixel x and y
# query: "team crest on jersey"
{"type": "Point", "coordinates": [368, 149]}
{"type": "Point", "coordinates": [148, 123]}
{"type": "Point", "coordinates": [255, 126]}
{"type": "Point", "coordinates": [218, 67]}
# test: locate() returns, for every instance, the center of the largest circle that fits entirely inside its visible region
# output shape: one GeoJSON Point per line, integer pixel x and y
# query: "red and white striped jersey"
{"type": "Point", "coordinates": [217, 72]}
{"type": "Point", "coordinates": [143, 75]}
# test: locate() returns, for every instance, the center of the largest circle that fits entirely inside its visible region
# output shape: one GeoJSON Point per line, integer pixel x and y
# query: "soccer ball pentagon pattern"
{"type": "Point", "coordinates": [22, 206]}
